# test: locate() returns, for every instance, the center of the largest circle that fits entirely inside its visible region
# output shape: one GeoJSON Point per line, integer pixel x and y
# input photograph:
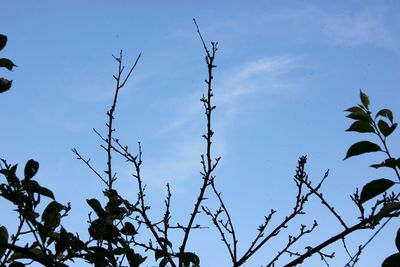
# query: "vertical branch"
{"type": "Point", "coordinates": [167, 214]}
{"type": "Point", "coordinates": [120, 82]}
{"type": "Point", "coordinates": [207, 161]}
{"type": "Point", "coordinates": [137, 162]}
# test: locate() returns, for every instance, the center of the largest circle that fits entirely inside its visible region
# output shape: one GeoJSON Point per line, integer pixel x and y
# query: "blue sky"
{"type": "Point", "coordinates": [286, 71]}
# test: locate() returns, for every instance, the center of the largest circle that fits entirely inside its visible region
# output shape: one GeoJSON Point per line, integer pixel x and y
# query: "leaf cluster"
{"type": "Point", "coordinates": [52, 245]}
{"type": "Point", "coordinates": [381, 125]}
{"type": "Point", "coordinates": [116, 225]}
{"type": "Point", "coordinates": [5, 84]}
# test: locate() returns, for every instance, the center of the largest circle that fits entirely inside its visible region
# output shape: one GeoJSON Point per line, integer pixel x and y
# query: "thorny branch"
{"type": "Point", "coordinates": [207, 162]}
{"type": "Point", "coordinates": [291, 241]}
{"type": "Point", "coordinates": [120, 82]}
{"type": "Point", "coordinates": [323, 200]}
{"type": "Point", "coordinates": [221, 218]}
{"type": "Point", "coordinates": [300, 179]}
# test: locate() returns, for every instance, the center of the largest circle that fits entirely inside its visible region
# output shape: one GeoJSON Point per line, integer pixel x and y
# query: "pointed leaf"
{"type": "Point", "coordinates": [384, 128]}
{"type": "Point", "coordinates": [31, 169]}
{"type": "Point", "coordinates": [3, 41]}
{"type": "Point", "coordinates": [390, 163]}
{"type": "Point", "coordinates": [359, 115]}
{"type": "Point", "coordinates": [128, 229]}
{"type": "Point", "coordinates": [385, 113]}
{"type": "Point", "coordinates": [6, 63]}
{"type": "Point", "coordinates": [5, 85]}
{"type": "Point", "coordinates": [393, 127]}
{"type": "Point", "coordinates": [361, 127]}
{"type": "Point", "coordinates": [355, 109]}
{"type": "Point", "coordinates": [364, 99]}
{"type": "Point", "coordinates": [51, 214]}
{"type": "Point", "coordinates": [374, 188]}
{"type": "Point", "coordinates": [361, 148]}
{"type": "Point", "coordinates": [386, 210]}
{"type": "Point", "coordinates": [96, 206]}
{"type": "Point", "coordinates": [392, 261]}
{"type": "Point", "coordinates": [33, 186]}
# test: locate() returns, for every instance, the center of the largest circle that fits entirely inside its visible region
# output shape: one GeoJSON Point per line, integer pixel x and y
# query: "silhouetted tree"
{"type": "Point", "coordinates": [116, 228]}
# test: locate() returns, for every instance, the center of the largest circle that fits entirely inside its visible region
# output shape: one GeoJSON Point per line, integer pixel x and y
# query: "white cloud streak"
{"type": "Point", "coordinates": [364, 28]}
{"type": "Point", "coordinates": [249, 79]}
{"type": "Point", "coordinates": [258, 76]}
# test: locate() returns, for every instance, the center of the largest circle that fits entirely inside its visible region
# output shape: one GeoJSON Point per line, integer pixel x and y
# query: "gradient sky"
{"type": "Point", "coordinates": [286, 71]}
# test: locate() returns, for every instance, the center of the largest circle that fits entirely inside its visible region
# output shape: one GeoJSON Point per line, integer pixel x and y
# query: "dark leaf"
{"type": "Point", "coordinates": [355, 109]}
{"type": "Point", "coordinates": [392, 261]}
{"type": "Point", "coordinates": [393, 127]}
{"type": "Point", "coordinates": [6, 63]}
{"type": "Point", "coordinates": [100, 230]}
{"type": "Point", "coordinates": [75, 243]}
{"type": "Point", "coordinates": [31, 168]}
{"type": "Point", "coordinates": [62, 242]}
{"type": "Point", "coordinates": [360, 115]}
{"type": "Point", "coordinates": [12, 179]}
{"type": "Point", "coordinates": [112, 195]}
{"type": "Point", "coordinates": [134, 259]}
{"type": "Point", "coordinates": [163, 263]}
{"type": "Point", "coordinates": [364, 99]}
{"type": "Point", "coordinates": [159, 253]}
{"type": "Point", "coordinates": [119, 251]}
{"type": "Point", "coordinates": [3, 41]}
{"type": "Point", "coordinates": [44, 232]}
{"type": "Point", "coordinates": [30, 215]}
{"type": "Point", "coordinates": [5, 85]}
{"type": "Point", "coordinates": [13, 169]}
{"type": "Point", "coordinates": [166, 242]}
{"type": "Point", "coordinates": [385, 129]}
{"type": "Point", "coordinates": [3, 239]}
{"type": "Point", "coordinates": [361, 148]}
{"type": "Point", "coordinates": [20, 255]}
{"type": "Point", "coordinates": [390, 163]}
{"type": "Point", "coordinates": [96, 206]}
{"type": "Point", "coordinates": [98, 256]}
{"type": "Point", "coordinates": [128, 229]}
{"type": "Point", "coordinates": [361, 127]}
{"type": "Point", "coordinates": [385, 113]}
{"type": "Point", "coordinates": [374, 188]}
{"type": "Point", "coordinates": [189, 257]}
{"type": "Point", "coordinates": [398, 240]}
{"type": "Point", "coordinates": [51, 214]}
{"type": "Point", "coordinates": [386, 210]}
{"type": "Point", "coordinates": [33, 186]}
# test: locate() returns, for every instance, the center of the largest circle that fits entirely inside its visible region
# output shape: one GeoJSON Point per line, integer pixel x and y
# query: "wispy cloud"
{"type": "Point", "coordinates": [248, 79]}
{"type": "Point", "coordinates": [253, 77]}
{"type": "Point", "coordinates": [368, 27]}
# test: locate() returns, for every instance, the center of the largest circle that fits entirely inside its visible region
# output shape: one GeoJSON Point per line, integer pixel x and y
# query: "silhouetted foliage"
{"type": "Point", "coordinates": [5, 84]}
{"type": "Point", "coordinates": [115, 228]}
